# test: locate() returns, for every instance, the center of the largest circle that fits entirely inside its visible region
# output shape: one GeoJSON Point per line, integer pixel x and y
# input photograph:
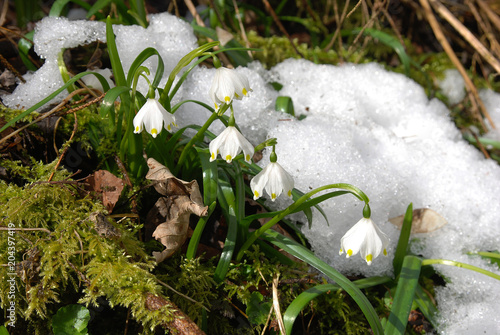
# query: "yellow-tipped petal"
{"type": "Point", "coordinates": [369, 258]}
{"type": "Point", "coordinates": [256, 194]}
{"type": "Point", "coordinates": [154, 131]}
{"type": "Point", "coordinates": [229, 158]}
{"type": "Point", "coordinates": [227, 99]}
{"type": "Point", "coordinates": [244, 91]}
{"type": "Point", "coordinates": [349, 253]}
{"type": "Point", "coordinates": [385, 252]}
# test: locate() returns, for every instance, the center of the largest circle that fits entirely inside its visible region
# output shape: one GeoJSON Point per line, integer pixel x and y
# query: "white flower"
{"type": "Point", "coordinates": [228, 85]}
{"type": "Point", "coordinates": [230, 143]}
{"type": "Point", "coordinates": [153, 117]}
{"type": "Point", "coordinates": [274, 179]}
{"type": "Point", "coordinates": [364, 237]}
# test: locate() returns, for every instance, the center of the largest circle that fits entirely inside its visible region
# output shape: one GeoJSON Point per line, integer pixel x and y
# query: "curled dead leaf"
{"type": "Point", "coordinates": [425, 220]}
{"type": "Point", "coordinates": [181, 200]}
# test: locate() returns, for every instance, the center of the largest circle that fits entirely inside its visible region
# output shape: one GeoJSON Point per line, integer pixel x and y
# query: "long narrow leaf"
{"type": "Point", "coordinates": [303, 299]}
{"type": "Point", "coordinates": [308, 256]}
{"type": "Point", "coordinates": [108, 103]}
{"type": "Point", "coordinates": [198, 231]}
{"type": "Point", "coordinates": [96, 7]}
{"type": "Point", "coordinates": [59, 5]}
{"type": "Point", "coordinates": [426, 306]}
{"type": "Point", "coordinates": [141, 58]}
{"type": "Point", "coordinates": [227, 201]}
{"type": "Point", "coordinates": [24, 45]}
{"type": "Point", "coordinates": [405, 294]}
{"type": "Point", "coordinates": [404, 238]}
{"type": "Point", "coordinates": [114, 58]}
{"type": "Point", "coordinates": [390, 41]}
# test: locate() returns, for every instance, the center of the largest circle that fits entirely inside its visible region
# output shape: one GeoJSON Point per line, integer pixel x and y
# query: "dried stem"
{"type": "Point", "coordinates": [466, 34]}
{"type": "Point", "coordinates": [477, 104]}
{"type": "Point", "coordinates": [280, 26]}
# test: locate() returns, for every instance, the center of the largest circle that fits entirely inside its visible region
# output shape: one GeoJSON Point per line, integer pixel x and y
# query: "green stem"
{"type": "Point", "coordinates": [199, 135]}
{"type": "Point", "coordinates": [290, 209]}
{"type": "Point", "coordinates": [461, 265]}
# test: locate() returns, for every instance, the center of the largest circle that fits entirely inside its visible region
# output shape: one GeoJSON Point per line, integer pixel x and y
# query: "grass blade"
{"type": "Point", "coordinates": [227, 202]}
{"type": "Point", "coordinates": [308, 256]}
{"type": "Point", "coordinates": [405, 293]}
{"type": "Point", "coordinates": [404, 238]}
{"type": "Point", "coordinates": [303, 299]}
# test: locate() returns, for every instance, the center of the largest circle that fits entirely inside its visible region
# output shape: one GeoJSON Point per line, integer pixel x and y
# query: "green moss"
{"type": "Point", "coordinates": [67, 253]}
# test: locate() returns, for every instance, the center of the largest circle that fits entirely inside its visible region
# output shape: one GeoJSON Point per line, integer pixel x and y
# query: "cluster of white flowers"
{"type": "Point", "coordinates": [364, 237]}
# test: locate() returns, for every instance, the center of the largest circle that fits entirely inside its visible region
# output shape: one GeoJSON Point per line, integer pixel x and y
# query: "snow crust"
{"type": "Point", "coordinates": [364, 125]}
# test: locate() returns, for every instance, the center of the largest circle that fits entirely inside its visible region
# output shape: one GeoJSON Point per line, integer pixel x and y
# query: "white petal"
{"type": "Point", "coordinates": [258, 182]}
{"type": "Point", "coordinates": [366, 238]}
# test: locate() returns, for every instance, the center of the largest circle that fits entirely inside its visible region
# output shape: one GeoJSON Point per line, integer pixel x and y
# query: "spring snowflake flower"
{"type": "Point", "coordinates": [154, 118]}
{"type": "Point", "coordinates": [230, 143]}
{"type": "Point", "coordinates": [228, 85]}
{"type": "Point", "coordinates": [364, 237]}
{"type": "Point", "coordinates": [274, 179]}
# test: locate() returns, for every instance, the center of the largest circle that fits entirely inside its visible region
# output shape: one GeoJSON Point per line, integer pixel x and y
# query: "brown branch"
{"type": "Point", "coordinates": [181, 323]}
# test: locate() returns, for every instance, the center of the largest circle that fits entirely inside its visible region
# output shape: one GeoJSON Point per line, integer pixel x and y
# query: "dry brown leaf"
{"type": "Point", "coordinates": [181, 200]}
{"type": "Point", "coordinates": [425, 220]}
{"type": "Point", "coordinates": [107, 186]}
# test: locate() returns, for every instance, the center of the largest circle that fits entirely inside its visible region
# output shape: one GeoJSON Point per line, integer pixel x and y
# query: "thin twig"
{"type": "Point", "coordinates": [52, 111]}
{"type": "Point", "coordinates": [276, 20]}
{"type": "Point", "coordinates": [466, 34]}
{"type": "Point", "coordinates": [11, 68]}
{"type": "Point", "coordinates": [5, 8]}
{"type": "Point", "coordinates": [192, 10]}
{"type": "Point", "coordinates": [477, 104]}
{"type": "Point", "coordinates": [182, 295]}
{"type": "Point", "coordinates": [494, 18]}
{"type": "Point", "coordinates": [242, 28]}
{"type": "Point", "coordinates": [276, 303]}
{"type": "Point", "coordinates": [75, 127]}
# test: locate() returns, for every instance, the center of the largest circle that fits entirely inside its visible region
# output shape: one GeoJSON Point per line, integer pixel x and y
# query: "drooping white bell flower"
{"type": "Point", "coordinates": [274, 179]}
{"type": "Point", "coordinates": [154, 117]}
{"type": "Point", "coordinates": [366, 238]}
{"type": "Point", "coordinates": [229, 144]}
{"type": "Point", "coordinates": [228, 85]}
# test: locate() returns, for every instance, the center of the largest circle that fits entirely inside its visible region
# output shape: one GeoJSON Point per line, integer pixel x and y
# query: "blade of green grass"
{"type": "Point", "coordinates": [141, 58]}
{"type": "Point", "coordinates": [303, 299]}
{"type": "Point", "coordinates": [24, 46]}
{"type": "Point", "coordinates": [308, 256]}
{"type": "Point", "coordinates": [404, 237]}
{"type": "Point", "coordinates": [58, 7]}
{"type": "Point", "coordinates": [227, 202]}
{"type": "Point", "coordinates": [405, 293]}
